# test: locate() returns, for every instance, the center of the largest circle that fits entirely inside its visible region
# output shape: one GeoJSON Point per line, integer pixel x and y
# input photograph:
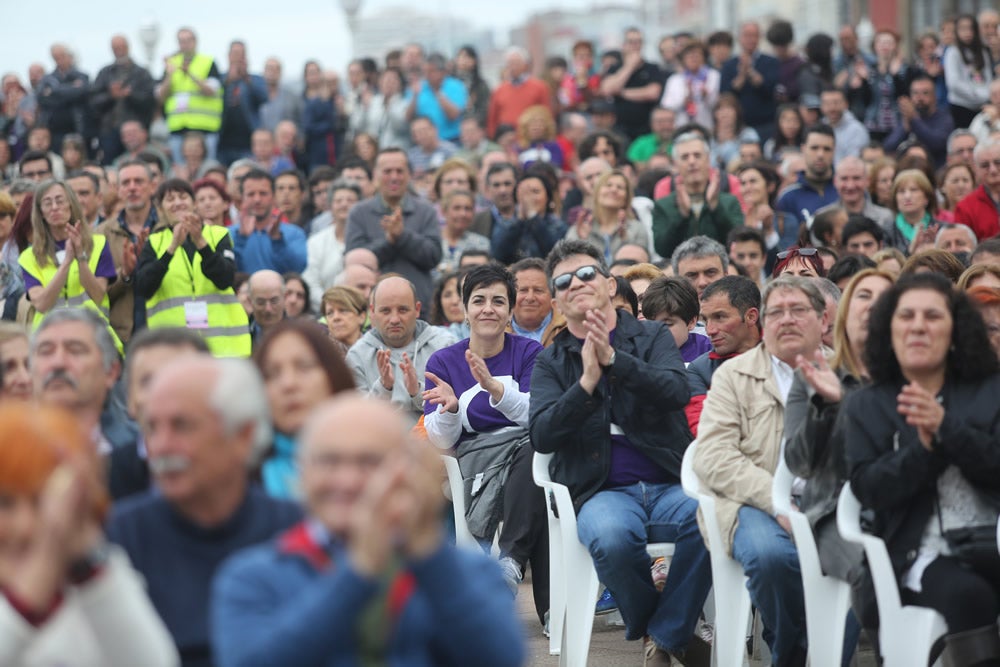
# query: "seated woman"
{"type": "Point", "coordinates": [447, 310]}
{"type": "Point", "coordinates": [923, 453]}
{"type": "Point", "coordinates": [612, 223]}
{"type": "Point", "coordinates": [346, 312]}
{"type": "Point", "coordinates": [914, 202]}
{"type": "Point", "coordinates": [477, 404]}
{"type": "Point", "coordinates": [68, 598]}
{"type": "Point", "coordinates": [536, 227]}
{"type": "Point", "coordinates": [814, 446]}
{"type": "Point", "coordinates": [191, 288]}
{"type": "Point", "coordinates": [799, 262]}
{"type": "Point", "coordinates": [301, 369]}
{"type": "Point", "coordinates": [458, 207]}
{"type": "Point", "coordinates": [987, 300]}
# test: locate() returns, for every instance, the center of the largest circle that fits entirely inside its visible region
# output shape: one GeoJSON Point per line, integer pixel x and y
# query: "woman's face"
{"type": "Point", "coordinates": [464, 62]}
{"type": "Point", "coordinates": [693, 60]}
{"type": "Point", "coordinates": [72, 157]}
{"type": "Point", "coordinates": [536, 129]}
{"type": "Point", "coordinates": [489, 310]}
{"type": "Point", "coordinates": [921, 331]}
{"type": "Point", "coordinates": [454, 179]}
{"type": "Point", "coordinates": [451, 302]}
{"type": "Point", "coordinates": [16, 376]}
{"type": "Point", "coordinates": [883, 183]}
{"type": "Point", "coordinates": [885, 45]}
{"type": "Point", "coordinates": [964, 30]}
{"type": "Point", "coordinates": [790, 123]}
{"type": "Point", "coordinates": [389, 84]}
{"type": "Point", "coordinates": [725, 115]}
{"type": "Point", "coordinates": [865, 293]}
{"type": "Point", "coordinates": [209, 205]}
{"type": "Point", "coordinates": [991, 317]}
{"type": "Point", "coordinates": [910, 199]}
{"type": "Point", "coordinates": [343, 201]}
{"type": "Point", "coordinates": [891, 265]}
{"type": "Point", "coordinates": [458, 215]}
{"type": "Point", "coordinates": [532, 193]}
{"type": "Point", "coordinates": [313, 75]}
{"type": "Point", "coordinates": [754, 187]}
{"type": "Point", "coordinates": [296, 382]}
{"type": "Point", "coordinates": [797, 266]}
{"type": "Point", "coordinates": [957, 184]}
{"type": "Point", "coordinates": [365, 148]}
{"type": "Point", "coordinates": [614, 194]}
{"type": "Point", "coordinates": [295, 298]}
{"type": "Point", "coordinates": [987, 279]}
{"type": "Point", "coordinates": [176, 204]}
{"type": "Point", "coordinates": [55, 206]}
{"type": "Point", "coordinates": [344, 323]}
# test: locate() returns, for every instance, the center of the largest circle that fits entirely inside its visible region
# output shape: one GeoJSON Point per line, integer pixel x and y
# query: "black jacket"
{"type": "Point", "coordinates": [647, 385]}
{"type": "Point", "coordinates": [894, 475]}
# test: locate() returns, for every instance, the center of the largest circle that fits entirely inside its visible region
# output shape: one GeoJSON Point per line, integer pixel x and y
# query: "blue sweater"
{"type": "Point", "coordinates": [281, 604]}
{"type": "Point", "coordinates": [178, 558]}
{"type": "Point", "coordinates": [259, 251]}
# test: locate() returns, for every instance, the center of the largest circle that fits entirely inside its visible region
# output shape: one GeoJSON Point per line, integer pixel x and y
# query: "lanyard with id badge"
{"type": "Point", "coordinates": [195, 311]}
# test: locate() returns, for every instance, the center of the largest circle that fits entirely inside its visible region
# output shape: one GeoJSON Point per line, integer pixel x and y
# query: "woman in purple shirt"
{"type": "Point", "coordinates": [477, 405]}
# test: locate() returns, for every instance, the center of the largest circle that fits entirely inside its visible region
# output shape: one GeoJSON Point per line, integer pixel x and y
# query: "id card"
{"type": "Point", "coordinates": [196, 314]}
{"type": "Point", "coordinates": [182, 101]}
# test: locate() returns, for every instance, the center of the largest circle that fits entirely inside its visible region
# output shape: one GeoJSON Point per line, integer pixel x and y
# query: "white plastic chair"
{"type": "Point", "coordinates": [827, 599]}
{"type": "Point", "coordinates": [574, 585]}
{"type": "Point", "coordinates": [732, 599]}
{"type": "Point", "coordinates": [906, 633]}
{"type": "Point", "coordinates": [463, 537]}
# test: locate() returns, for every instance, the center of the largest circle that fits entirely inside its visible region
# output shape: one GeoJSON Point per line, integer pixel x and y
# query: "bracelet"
{"type": "Point", "coordinates": [82, 257]}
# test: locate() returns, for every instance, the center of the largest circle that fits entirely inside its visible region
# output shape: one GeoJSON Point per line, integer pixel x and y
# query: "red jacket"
{"type": "Point", "coordinates": [508, 101]}
{"type": "Point", "coordinates": [979, 212]}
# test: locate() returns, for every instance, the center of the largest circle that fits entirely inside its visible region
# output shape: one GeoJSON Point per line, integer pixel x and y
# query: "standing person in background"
{"type": "Point", "coordinates": [63, 98]}
{"type": "Point", "coordinates": [242, 96]}
{"type": "Point", "coordinates": [385, 118]}
{"type": "Point", "coordinates": [467, 71]}
{"type": "Point", "coordinates": [693, 91]}
{"type": "Point", "coordinates": [884, 83]}
{"type": "Point", "coordinates": [122, 91]}
{"type": "Point", "coordinates": [319, 117]}
{"type": "Point", "coordinates": [281, 103]}
{"type": "Point", "coordinates": [967, 71]}
{"type": "Point", "coordinates": [439, 97]}
{"type": "Point", "coordinates": [518, 92]}
{"type": "Point", "coordinates": [191, 94]}
{"type": "Point", "coordinates": [753, 77]}
{"type": "Point", "coordinates": [636, 86]}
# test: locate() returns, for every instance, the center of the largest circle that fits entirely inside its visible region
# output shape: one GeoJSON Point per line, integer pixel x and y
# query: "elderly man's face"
{"type": "Point", "coordinates": [267, 299]}
{"type": "Point", "coordinates": [955, 240]}
{"type": "Point", "coordinates": [791, 325]}
{"type": "Point", "coordinates": [394, 312]}
{"type": "Point", "coordinates": [534, 300]}
{"type": "Point", "coordinates": [191, 452]}
{"type": "Point", "coordinates": [67, 367]}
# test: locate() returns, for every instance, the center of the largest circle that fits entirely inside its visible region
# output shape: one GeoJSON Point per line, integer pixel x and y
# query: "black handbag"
{"type": "Point", "coordinates": [975, 545]}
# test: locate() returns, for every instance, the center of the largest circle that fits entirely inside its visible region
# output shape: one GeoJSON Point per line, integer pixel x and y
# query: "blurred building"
{"type": "Point", "coordinates": [393, 27]}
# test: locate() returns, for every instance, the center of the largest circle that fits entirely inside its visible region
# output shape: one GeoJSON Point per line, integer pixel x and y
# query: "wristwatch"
{"type": "Point", "coordinates": [611, 360]}
{"type": "Point", "coordinates": [83, 256]}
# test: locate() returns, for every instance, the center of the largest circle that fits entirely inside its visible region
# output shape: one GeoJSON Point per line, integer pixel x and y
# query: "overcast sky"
{"type": "Point", "coordinates": [294, 31]}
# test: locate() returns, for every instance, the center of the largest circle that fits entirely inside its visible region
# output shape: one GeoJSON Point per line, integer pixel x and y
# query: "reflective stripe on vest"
{"type": "Point", "coordinates": [228, 330]}
{"type": "Point", "coordinates": [73, 294]}
{"type": "Point", "coordinates": [199, 111]}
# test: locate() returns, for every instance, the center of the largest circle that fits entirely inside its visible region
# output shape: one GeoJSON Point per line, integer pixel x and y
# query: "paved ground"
{"type": "Point", "coordinates": [608, 647]}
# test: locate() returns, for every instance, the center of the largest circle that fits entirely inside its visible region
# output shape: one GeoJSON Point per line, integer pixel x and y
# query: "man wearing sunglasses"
{"type": "Point", "coordinates": [607, 400]}
{"type": "Point", "coordinates": [978, 209]}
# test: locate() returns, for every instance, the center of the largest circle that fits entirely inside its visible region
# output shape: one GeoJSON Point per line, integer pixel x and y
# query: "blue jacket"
{"type": "Point", "coordinates": [259, 251]}
{"type": "Point", "coordinates": [932, 131]}
{"type": "Point", "coordinates": [798, 197]}
{"type": "Point", "coordinates": [758, 102]}
{"type": "Point", "coordinates": [291, 603]}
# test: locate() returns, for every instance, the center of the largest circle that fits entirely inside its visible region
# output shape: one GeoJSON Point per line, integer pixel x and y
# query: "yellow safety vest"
{"type": "Point", "coordinates": [73, 294]}
{"type": "Point", "coordinates": [186, 292]}
{"type": "Point", "coordinates": [187, 108]}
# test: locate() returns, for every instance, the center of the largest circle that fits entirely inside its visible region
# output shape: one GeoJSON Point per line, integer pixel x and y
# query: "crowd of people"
{"type": "Point", "coordinates": [243, 320]}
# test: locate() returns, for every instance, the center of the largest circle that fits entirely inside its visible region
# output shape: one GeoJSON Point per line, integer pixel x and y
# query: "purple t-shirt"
{"type": "Point", "coordinates": [105, 267]}
{"type": "Point", "coordinates": [516, 361]}
{"type": "Point", "coordinates": [695, 346]}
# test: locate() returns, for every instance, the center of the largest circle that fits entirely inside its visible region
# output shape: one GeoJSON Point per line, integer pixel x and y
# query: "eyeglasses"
{"type": "Point", "coordinates": [798, 313]}
{"type": "Point", "coordinates": [584, 273]}
{"type": "Point", "coordinates": [801, 252]}
{"type": "Point", "coordinates": [985, 164]}
{"type": "Point", "coordinates": [35, 174]}
{"type": "Point", "coordinates": [53, 202]}
{"type": "Point", "coordinates": [274, 302]}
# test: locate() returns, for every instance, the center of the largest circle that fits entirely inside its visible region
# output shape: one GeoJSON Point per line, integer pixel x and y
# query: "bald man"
{"type": "Point", "coordinates": [370, 557]}
{"type": "Point", "coordinates": [389, 360]}
{"type": "Point", "coordinates": [122, 91]}
{"type": "Point", "coordinates": [206, 421]}
{"type": "Point", "coordinates": [267, 297]}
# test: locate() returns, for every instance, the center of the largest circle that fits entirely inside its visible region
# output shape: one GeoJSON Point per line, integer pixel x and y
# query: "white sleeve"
{"type": "Point", "coordinates": [123, 620]}
{"type": "Point", "coordinates": [514, 404]}
{"type": "Point", "coordinates": [443, 428]}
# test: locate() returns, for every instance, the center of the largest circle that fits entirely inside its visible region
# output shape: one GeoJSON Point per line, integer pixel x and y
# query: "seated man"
{"type": "Point", "coordinates": [674, 302]}
{"type": "Point", "coordinates": [739, 442]}
{"type": "Point", "coordinates": [533, 315]}
{"type": "Point", "coordinates": [369, 577]}
{"type": "Point", "coordinates": [206, 420]}
{"type": "Point", "coordinates": [389, 360]}
{"type": "Point", "coordinates": [730, 308]}
{"type": "Point", "coordinates": [606, 400]}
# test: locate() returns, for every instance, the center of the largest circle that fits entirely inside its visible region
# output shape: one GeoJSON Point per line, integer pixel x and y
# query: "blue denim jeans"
{"type": "Point", "coordinates": [615, 525]}
{"type": "Point", "coordinates": [769, 559]}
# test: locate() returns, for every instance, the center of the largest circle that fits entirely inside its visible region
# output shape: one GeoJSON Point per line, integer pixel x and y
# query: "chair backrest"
{"type": "Point", "coordinates": [849, 525]}
{"type": "Point", "coordinates": [540, 468]}
{"type": "Point", "coordinates": [689, 480]}
{"type": "Point", "coordinates": [781, 487]}
{"type": "Point", "coordinates": [462, 535]}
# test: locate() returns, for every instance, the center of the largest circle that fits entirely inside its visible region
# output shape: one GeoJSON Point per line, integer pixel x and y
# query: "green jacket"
{"type": "Point", "coordinates": [670, 229]}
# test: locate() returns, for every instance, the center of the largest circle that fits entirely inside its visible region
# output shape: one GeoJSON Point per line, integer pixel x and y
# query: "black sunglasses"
{"type": "Point", "coordinates": [584, 273]}
{"type": "Point", "coordinates": [801, 252]}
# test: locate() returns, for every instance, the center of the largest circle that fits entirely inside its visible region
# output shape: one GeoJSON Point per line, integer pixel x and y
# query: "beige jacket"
{"type": "Point", "coordinates": [739, 438]}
